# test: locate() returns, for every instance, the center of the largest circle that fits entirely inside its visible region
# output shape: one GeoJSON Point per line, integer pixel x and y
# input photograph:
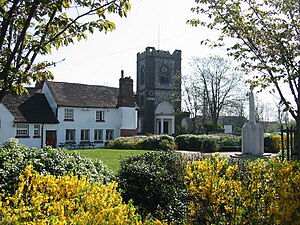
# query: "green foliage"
{"type": "Point", "coordinates": [210, 126]}
{"type": "Point", "coordinates": [155, 183]}
{"type": "Point", "coordinates": [14, 157]}
{"type": "Point", "coordinates": [203, 143]}
{"type": "Point", "coordinates": [272, 143]}
{"type": "Point", "coordinates": [152, 142]}
{"type": "Point", "coordinates": [32, 28]}
{"type": "Point", "coordinates": [125, 143]}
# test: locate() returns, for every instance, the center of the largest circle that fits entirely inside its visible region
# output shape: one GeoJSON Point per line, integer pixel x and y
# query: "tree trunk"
{"type": "Point", "coordinates": [296, 150]}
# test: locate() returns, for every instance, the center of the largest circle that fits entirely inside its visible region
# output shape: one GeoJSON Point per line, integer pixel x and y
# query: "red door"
{"type": "Point", "coordinates": [51, 138]}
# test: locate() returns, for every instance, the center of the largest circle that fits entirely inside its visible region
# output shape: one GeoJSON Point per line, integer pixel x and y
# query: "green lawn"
{"type": "Point", "coordinates": [109, 157]}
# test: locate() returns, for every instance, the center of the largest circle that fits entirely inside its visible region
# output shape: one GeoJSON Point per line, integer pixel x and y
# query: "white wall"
{"type": "Point", "coordinates": [6, 125]}
{"type": "Point", "coordinates": [49, 97]}
{"type": "Point", "coordinates": [85, 118]}
{"type": "Point", "coordinates": [128, 117]}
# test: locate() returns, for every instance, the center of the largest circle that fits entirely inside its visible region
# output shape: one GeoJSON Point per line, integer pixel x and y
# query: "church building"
{"type": "Point", "coordinates": [158, 94]}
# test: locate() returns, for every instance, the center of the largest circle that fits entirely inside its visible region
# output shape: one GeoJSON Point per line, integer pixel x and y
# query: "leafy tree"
{"type": "Point", "coordinates": [32, 28]}
{"type": "Point", "coordinates": [218, 83]}
{"type": "Point", "coordinates": [266, 37]}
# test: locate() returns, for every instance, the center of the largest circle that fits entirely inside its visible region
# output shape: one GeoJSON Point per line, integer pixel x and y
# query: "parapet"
{"type": "Point", "coordinates": [151, 51]}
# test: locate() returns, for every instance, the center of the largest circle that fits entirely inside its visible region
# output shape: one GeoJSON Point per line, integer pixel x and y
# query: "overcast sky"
{"type": "Point", "coordinates": [156, 23]}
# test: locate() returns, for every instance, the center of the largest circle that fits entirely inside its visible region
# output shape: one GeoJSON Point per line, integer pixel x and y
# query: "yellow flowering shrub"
{"type": "Point", "coordinates": [46, 199]}
{"type": "Point", "coordinates": [243, 192]}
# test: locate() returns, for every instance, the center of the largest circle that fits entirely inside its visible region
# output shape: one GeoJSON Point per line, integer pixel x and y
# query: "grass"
{"type": "Point", "coordinates": [110, 157]}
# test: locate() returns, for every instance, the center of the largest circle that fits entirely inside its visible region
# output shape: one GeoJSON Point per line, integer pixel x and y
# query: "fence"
{"type": "Point", "coordinates": [287, 142]}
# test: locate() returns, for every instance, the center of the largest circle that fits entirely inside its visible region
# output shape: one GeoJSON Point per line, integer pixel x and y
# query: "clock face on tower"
{"type": "Point", "coordinates": [164, 69]}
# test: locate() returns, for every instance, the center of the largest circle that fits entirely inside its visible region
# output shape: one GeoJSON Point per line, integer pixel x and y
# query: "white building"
{"type": "Point", "coordinates": [59, 113]}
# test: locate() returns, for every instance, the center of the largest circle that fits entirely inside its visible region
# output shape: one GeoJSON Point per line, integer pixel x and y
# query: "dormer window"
{"type": "Point", "coordinates": [69, 115]}
{"type": "Point", "coordinates": [100, 116]}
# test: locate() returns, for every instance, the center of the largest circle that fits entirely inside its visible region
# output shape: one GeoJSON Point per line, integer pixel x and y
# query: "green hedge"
{"type": "Point", "coordinates": [14, 157]}
{"type": "Point", "coordinates": [207, 143]}
{"type": "Point", "coordinates": [152, 142]}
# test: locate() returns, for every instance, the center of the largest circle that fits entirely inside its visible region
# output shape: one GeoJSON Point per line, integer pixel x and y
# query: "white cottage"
{"type": "Point", "coordinates": [67, 114]}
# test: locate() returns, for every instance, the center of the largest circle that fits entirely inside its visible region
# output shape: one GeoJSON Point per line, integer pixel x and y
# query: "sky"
{"type": "Point", "coordinates": [150, 23]}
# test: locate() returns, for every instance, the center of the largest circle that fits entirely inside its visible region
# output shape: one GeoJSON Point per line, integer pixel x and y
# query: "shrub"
{"type": "Point", "coordinates": [229, 142]}
{"type": "Point", "coordinates": [158, 142]}
{"type": "Point", "coordinates": [272, 143]}
{"type": "Point", "coordinates": [203, 143]}
{"type": "Point", "coordinates": [155, 183]}
{"type": "Point", "coordinates": [252, 192]}
{"type": "Point", "coordinates": [152, 142]}
{"type": "Point", "coordinates": [126, 143]}
{"type": "Point", "coordinates": [14, 157]}
{"type": "Point", "coordinates": [47, 199]}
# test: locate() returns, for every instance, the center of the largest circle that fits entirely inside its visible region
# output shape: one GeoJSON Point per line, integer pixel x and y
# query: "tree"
{"type": "Point", "coordinates": [266, 35]}
{"type": "Point", "coordinates": [32, 28]}
{"type": "Point", "coordinates": [192, 97]}
{"type": "Point", "coordinates": [214, 87]}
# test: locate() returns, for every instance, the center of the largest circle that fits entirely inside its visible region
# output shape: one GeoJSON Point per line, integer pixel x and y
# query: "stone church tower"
{"type": "Point", "coordinates": [158, 91]}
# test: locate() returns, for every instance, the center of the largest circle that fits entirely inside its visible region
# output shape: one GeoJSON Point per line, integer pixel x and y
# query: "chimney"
{"type": "Point", "coordinates": [126, 96]}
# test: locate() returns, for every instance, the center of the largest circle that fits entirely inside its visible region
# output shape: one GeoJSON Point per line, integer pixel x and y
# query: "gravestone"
{"type": "Point", "coordinates": [252, 132]}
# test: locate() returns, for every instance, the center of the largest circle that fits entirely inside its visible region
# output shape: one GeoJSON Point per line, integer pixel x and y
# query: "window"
{"type": "Point", "coordinates": [22, 130]}
{"type": "Point", "coordinates": [69, 114]}
{"type": "Point", "coordinates": [70, 135]}
{"type": "Point", "coordinates": [98, 135]}
{"type": "Point", "coordinates": [85, 135]}
{"type": "Point", "coordinates": [37, 131]}
{"type": "Point", "coordinates": [100, 115]}
{"type": "Point", "coordinates": [109, 134]}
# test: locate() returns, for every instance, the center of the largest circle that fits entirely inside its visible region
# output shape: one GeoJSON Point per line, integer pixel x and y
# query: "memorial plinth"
{"type": "Point", "coordinates": [252, 133]}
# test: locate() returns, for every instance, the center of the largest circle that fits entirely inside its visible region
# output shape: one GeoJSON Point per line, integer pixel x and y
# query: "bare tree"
{"type": "Point", "coordinates": [216, 86]}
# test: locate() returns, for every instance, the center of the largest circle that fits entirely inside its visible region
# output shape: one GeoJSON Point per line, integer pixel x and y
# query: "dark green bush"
{"type": "Point", "coordinates": [155, 183]}
{"type": "Point", "coordinates": [14, 157]}
{"type": "Point", "coordinates": [152, 142]}
{"type": "Point", "coordinates": [203, 143]}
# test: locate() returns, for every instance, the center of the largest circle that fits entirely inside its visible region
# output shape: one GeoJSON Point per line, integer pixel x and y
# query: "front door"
{"type": "Point", "coordinates": [51, 138]}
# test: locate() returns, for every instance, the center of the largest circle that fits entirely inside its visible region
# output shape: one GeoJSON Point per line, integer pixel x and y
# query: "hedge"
{"type": "Point", "coordinates": [151, 142]}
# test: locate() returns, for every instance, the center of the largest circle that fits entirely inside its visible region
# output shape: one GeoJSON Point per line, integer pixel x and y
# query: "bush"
{"type": "Point", "coordinates": [203, 143]}
{"type": "Point", "coordinates": [272, 143]}
{"type": "Point", "coordinates": [155, 183]}
{"type": "Point", "coordinates": [126, 143]}
{"type": "Point", "coordinates": [152, 142]}
{"type": "Point", "coordinates": [230, 142]}
{"type": "Point", "coordinates": [14, 157]}
{"type": "Point", "coordinates": [47, 199]}
{"type": "Point", "coordinates": [243, 192]}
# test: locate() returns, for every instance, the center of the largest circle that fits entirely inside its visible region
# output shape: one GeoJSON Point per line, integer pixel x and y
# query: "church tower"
{"type": "Point", "coordinates": [158, 91]}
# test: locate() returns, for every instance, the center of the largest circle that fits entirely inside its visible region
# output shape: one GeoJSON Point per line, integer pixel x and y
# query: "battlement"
{"type": "Point", "coordinates": [151, 51]}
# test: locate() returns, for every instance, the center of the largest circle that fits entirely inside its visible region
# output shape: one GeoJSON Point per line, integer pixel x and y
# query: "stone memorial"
{"type": "Point", "coordinates": [252, 132]}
